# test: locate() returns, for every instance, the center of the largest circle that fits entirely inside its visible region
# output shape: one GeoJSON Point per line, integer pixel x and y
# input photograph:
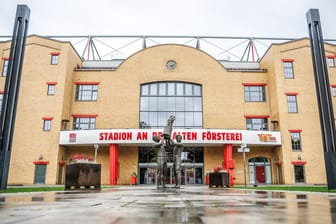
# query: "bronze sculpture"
{"type": "Point", "coordinates": [178, 148]}
{"type": "Point", "coordinates": [162, 147]}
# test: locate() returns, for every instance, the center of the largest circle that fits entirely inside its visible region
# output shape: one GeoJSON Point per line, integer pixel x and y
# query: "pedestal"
{"type": "Point", "coordinates": [83, 175]}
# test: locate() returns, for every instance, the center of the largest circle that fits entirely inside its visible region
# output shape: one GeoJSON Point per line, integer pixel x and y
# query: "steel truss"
{"type": "Point", "coordinates": [106, 47]}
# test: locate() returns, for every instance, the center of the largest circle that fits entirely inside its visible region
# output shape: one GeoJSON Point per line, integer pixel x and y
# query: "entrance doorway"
{"type": "Point", "coordinates": [260, 170]}
{"type": "Point", "coordinates": [260, 174]}
{"type": "Point", "coordinates": [191, 170]}
{"type": "Point", "coordinates": [190, 173]}
{"type": "Point", "coordinates": [40, 174]}
{"type": "Point", "coordinates": [299, 174]}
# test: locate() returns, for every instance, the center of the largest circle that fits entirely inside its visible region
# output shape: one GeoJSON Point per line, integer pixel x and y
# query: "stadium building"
{"type": "Point", "coordinates": [68, 106]}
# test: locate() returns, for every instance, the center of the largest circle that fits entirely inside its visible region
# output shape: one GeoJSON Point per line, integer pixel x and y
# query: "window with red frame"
{"type": "Point", "coordinates": [254, 93]}
{"type": "Point", "coordinates": [51, 89]}
{"type": "Point", "coordinates": [292, 104]}
{"type": "Point", "coordinates": [47, 125]}
{"type": "Point", "coordinates": [296, 141]}
{"type": "Point", "coordinates": [255, 123]}
{"type": "Point", "coordinates": [1, 99]}
{"type": "Point", "coordinates": [288, 69]}
{"type": "Point", "coordinates": [5, 67]}
{"type": "Point", "coordinates": [84, 123]}
{"type": "Point", "coordinates": [331, 61]}
{"type": "Point", "coordinates": [54, 59]}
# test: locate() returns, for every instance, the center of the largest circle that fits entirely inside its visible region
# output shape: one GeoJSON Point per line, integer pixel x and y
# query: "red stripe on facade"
{"type": "Point", "coordinates": [5, 58]}
{"type": "Point", "coordinates": [41, 162]}
{"type": "Point", "coordinates": [291, 93]}
{"type": "Point", "coordinates": [47, 118]}
{"type": "Point", "coordinates": [254, 84]}
{"type": "Point", "coordinates": [287, 60]}
{"type": "Point", "coordinates": [331, 56]}
{"type": "Point", "coordinates": [2, 92]}
{"type": "Point", "coordinates": [299, 162]}
{"type": "Point", "coordinates": [256, 116]}
{"type": "Point", "coordinates": [84, 115]}
{"type": "Point", "coordinates": [55, 53]}
{"type": "Point", "coordinates": [51, 83]}
{"type": "Point", "coordinates": [294, 130]}
{"type": "Point", "coordinates": [87, 83]}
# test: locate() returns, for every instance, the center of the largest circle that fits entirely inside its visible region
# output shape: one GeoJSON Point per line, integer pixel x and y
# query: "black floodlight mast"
{"type": "Point", "coordinates": [323, 95]}
{"type": "Point", "coordinates": [11, 91]}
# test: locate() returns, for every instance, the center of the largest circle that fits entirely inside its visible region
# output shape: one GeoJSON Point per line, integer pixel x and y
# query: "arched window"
{"type": "Point", "coordinates": [160, 100]}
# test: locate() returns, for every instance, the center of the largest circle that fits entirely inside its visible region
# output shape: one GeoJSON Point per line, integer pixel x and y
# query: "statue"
{"type": "Point", "coordinates": [177, 163]}
{"type": "Point", "coordinates": [161, 161]}
{"type": "Point", "coordinates": [162, 147]}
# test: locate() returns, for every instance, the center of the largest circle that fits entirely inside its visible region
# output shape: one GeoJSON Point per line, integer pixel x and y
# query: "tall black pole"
{"type": "Point", "coordinates": [323, 95]}
{"type": "Point", "coordinates": [11, 91]}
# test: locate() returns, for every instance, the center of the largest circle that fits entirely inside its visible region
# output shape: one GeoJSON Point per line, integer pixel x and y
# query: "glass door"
{"type": "Point", "coordinates": [192, 173]}
{"type": "Point", "coordinates": [147, 173]}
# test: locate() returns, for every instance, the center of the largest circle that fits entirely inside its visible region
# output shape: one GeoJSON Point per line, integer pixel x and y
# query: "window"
{"type": "Point", "coordinates": [160, 100]}
{"type": "Point", "coordinates": [51, 89]}
{"type": "Point", "coordinates": [296, 141]}
{"type": "Point", "coordinates": [254, 93]}
{"type": "Point", "coordinates": [86, 92]}
{"type": "Point", "coordinates": [288, 69]}
{"type": "Point", "coordinates": [291, 103]}
{"type": "Point", "coordinates": [54, 59]}
{"type": "Point", "coordinates": [84, 123]}
{"type": "Point", "coordinates": [1, 99]}
{"type": "Point", "coordinates": [256, 124]}
{"type": "Point", "coordinates": [333, 90]}
{"type": "Point", "coordinates": [5, 67]}
{"type": "Point", "coordinates": [47, 125]}
{"type": "Point", "coordinates": [331, 61]}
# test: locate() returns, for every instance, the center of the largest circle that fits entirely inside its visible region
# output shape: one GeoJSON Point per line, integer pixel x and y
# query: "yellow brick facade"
{"type": "Point", "coordinates": [117, 107]}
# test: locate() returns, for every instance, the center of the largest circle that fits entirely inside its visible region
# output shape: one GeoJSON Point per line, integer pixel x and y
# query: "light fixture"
{"type": "Point", "coordinates": [299, 157]}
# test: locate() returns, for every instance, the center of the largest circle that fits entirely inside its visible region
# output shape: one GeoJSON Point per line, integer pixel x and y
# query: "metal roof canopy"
{"type": "Point", "coordinates": [222, 48]}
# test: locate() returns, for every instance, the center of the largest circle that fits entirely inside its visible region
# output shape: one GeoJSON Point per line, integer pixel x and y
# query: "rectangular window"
{"type": "Point", "coordinates": [254, 93]}
{"type": "Point", "coordinates": [296, 141]}
{"type": "Point", "coordinates": [333, 90]}
{"type": "Point", "coordinates": [331, 62]}
{"type": "Point", "coordinates": [84, 123]}
{"type": "Point", "coordinates": [5, 68]}
{"type": "Point", "coordinates": [54, 59]}
{"type": "Point", "coordinates": [51, 89]}
{"type": "Point", "coordinates": [292, 104]}
{"type": "Point", "coordinates": [46, 125]}
{"type": "Point", "coordinates": [1, 99]}
{"type": "Point", "coordinates": [86, 92]}
{"type": "Point", "coordinates": [256, 124]}
{"type": "Point", "coordinates": [288, 69]}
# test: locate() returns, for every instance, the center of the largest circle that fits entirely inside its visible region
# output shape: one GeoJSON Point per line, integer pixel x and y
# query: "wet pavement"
{"type": "Point", "coordinates": [146, 204]}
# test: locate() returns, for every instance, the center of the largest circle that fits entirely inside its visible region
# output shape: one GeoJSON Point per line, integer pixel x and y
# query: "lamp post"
{"type": "Point", "coordinates": [95, 146]}
{"type": "Point", "coordinates": [243, 148]}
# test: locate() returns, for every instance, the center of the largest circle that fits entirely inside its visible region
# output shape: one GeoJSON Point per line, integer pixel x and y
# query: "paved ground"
{"type": "Point", "coordinates": [146, 204]}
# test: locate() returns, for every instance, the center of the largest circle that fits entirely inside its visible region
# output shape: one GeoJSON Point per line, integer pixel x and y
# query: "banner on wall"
{"type": "Point", "coordinates": [190, 137]}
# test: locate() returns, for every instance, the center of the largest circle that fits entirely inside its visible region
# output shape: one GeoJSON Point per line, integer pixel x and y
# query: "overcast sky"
{"type": "Point", "coordinates": [258, 18]}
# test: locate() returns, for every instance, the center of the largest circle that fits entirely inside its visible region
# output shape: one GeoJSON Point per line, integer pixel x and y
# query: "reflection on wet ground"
{"type": "Point", "coordinates": [146, 204]}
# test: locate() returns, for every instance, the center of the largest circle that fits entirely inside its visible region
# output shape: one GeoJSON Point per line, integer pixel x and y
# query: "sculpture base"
{"type": "Point", "coordinates": [83, 176]}
{"type": "Point", "coordinates": [219, 179]}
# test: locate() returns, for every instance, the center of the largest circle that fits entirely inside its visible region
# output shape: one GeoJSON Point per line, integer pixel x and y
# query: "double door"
{"type": "Point", "coordinates": [191, 173]}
